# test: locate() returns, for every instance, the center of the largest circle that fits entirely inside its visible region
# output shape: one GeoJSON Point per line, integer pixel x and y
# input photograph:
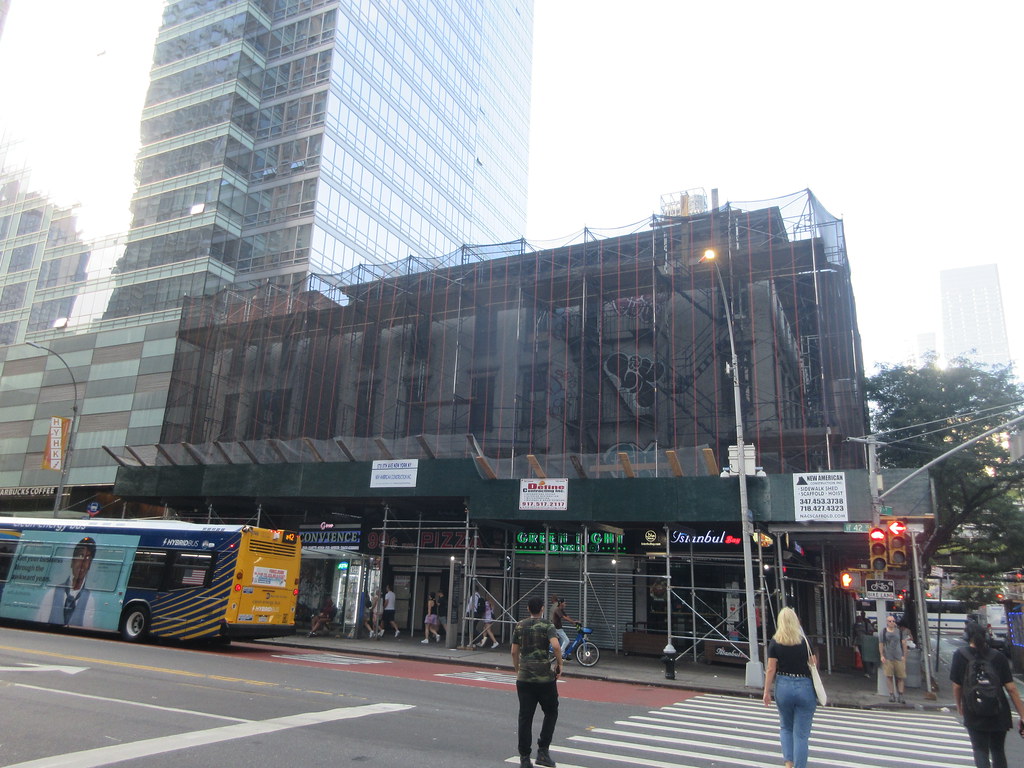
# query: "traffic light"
{"type": "Point", "coordinates": [846, 580]}
{"type": "Point", "coordinates": [877, 551]}
{"type": "Point", "coordinates": [896, 544]}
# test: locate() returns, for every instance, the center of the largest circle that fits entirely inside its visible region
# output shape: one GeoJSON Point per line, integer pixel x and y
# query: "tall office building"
{"type": "Point", "coordinates": [288, 138]}
{"type": "Point", "coordinates": [281, 139]}
{"type": "Point", "coordinates": [973, 324]}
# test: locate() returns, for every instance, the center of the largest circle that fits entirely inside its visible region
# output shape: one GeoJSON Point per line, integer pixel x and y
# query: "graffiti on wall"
{"type": "Point", "coordinates": [636, 378]}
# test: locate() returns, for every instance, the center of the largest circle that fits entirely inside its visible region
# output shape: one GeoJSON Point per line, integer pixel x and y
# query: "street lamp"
{"type": "Point", "coordinates": [65, 463]}
{"type": "Point", "coordinates": [754, 668]}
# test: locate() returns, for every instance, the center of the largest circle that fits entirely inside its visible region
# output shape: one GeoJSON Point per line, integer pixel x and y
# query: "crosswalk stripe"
{"type": "Point", "coordinates": [488, 677]}
{"type": "Point", "coordinates": [329, 658]}
{"type": "Point", "coordinates": [736, 733]}
{"type": "Point", "coordinates": [865, 734]}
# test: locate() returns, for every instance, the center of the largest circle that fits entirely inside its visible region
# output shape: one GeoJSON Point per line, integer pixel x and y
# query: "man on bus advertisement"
{"type": "Point", "coordinates": [68, 579]}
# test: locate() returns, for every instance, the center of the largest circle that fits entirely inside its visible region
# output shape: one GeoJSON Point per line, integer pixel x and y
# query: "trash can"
{"type": "Point", "coordinates": [914, 670]}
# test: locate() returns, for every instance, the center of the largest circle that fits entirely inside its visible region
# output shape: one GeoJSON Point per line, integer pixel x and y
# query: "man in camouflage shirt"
{"type": "Point", "coordinates": [536, 681]}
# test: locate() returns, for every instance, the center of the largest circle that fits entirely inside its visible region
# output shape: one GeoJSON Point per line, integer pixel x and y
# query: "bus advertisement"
{"type": "Point", "coordinates": [143, 578]}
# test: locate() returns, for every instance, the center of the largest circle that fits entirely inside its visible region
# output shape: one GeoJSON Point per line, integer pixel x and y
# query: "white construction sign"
{"type": "Point", "coordinates": [820, 496]}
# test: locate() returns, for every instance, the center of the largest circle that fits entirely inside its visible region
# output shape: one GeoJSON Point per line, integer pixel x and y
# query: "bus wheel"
{"type": "Point", "coordinates": [135, 623]}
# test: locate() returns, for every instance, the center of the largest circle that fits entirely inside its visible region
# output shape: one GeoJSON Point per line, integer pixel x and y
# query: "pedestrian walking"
{"type": "Point", "coordinates": [893, 642]}
{"type": "Point", "coordinates": [789, 660]}
{"type": "Point", "coordinates": [869, 651]}
{"type": "Point", "coordinates": [442, 615]}
{"type": "Point", "coordinates": [536, 681]}
{"type": "Point", "coordinates": [982, 680]}
{"type": "Point", "coordinates": [388, 620]}
{"type": "Point", "coordinates": [487, 633]}
{"type": "Point", "coordinates": [430, 620]}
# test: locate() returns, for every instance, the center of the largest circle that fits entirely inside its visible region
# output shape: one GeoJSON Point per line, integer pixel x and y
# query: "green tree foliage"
{"type": "Point", "coordinates": [922, 413]}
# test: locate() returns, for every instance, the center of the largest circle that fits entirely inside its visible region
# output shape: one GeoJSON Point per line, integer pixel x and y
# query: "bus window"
{"type": "Point", "coordinates": [148, 569]}
{"type": "Point", "coordinates": [191, 570]}
{"type": "Point", "coordinates": [6, 555]}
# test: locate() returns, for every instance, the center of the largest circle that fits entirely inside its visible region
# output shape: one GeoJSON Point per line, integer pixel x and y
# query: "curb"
{"type": "Point", "coordinates": [478, 658]}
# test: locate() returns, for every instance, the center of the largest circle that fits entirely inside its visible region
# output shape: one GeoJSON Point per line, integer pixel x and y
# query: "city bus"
{"type": "Point", "coordinates": [143, 578]}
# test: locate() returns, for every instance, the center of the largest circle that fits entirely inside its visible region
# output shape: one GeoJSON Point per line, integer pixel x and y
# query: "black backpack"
{"type": "Point", "coordinates": [982, 694]}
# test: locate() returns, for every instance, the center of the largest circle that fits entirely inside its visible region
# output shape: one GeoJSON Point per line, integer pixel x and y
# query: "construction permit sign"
{"type": "Point", "coordinates": [820, 496]}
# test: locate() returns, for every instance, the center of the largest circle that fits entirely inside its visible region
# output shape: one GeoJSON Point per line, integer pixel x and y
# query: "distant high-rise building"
{"type": "Point", "coordinates": [5, 6]}
{"type": "Point", "coordinates": [973, 324]}
{"type": "Point", "coordinates": [288, 138]}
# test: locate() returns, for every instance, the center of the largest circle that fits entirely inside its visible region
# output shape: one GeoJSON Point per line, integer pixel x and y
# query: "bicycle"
{"type": "Point", "coordinates": [585, 652]}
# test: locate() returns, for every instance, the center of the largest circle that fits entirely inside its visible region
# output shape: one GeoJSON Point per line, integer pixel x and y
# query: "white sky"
{"type": "Point", "coordinates": [901, 117]}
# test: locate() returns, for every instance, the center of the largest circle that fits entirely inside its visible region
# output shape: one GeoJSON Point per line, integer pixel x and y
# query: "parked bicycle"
{"type": "Point", "coordinates": [580, 648]}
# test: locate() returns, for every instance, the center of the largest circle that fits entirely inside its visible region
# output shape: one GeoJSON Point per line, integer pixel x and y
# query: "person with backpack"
{"type": "Point", "coordinates": [982, 680]}
{"type": "Point", "coordinates": [892, 648]}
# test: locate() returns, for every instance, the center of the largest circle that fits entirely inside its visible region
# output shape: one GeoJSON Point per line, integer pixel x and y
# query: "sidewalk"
{"type": "Point", "coordinates": [845, 689]}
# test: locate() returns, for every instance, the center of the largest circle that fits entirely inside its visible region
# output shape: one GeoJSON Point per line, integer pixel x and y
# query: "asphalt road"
{"type": "Point", "coordinates": [100, 701]}
{"type": "Point", "coordinates": [81, 700]}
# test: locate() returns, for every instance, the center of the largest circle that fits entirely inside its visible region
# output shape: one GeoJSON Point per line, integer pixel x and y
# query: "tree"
{"type": "Point", "coordinates": [921, 413]}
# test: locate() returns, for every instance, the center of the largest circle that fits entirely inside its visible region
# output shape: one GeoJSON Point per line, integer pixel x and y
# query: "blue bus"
{"type": "Point", "coordinates": [142, 578]}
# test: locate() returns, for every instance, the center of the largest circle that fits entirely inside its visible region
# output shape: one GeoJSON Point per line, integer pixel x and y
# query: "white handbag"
{"type": "Point", "coordinates": [819, 687]}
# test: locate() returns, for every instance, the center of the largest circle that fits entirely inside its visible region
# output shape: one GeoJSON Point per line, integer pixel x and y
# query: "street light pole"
{"type": "Point", "coordinates": [65, 463]}
{"type": "Point", "coordinates": [754, 668]}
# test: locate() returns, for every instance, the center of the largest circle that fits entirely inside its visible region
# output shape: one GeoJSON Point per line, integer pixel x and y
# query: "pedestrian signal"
{"type": "Point", "coordinates": [877, 549]}
{"type": "Point", "coordinates": [896, 543]}
{"type": "Point", "coordinates": [846, 580]}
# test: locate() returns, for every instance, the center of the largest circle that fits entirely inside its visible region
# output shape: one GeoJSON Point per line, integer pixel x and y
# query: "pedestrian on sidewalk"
{"type": "Point", "coordinates": [892, 648]}
{"type": "Point", "coordinates": [430, 620]}
{"type": "Point", "coordinates": [442, 615]}
{"type": "Point", "coordinates": [536, 681]}
{"type": "Point", "coordinates": [982, 680]}
{"type": "Point", "coordinates": [487, 633]}
{"type": "Point", "coordinates": [378, 615]}
{"type": "Point", "coordinates": [368, 615]}
{"type": "Point", "coordinates": [388, 621]}
{"type": "Point", "coordinates": [870, 654]}
{"type": "Point", "coordinates": [789, 660]}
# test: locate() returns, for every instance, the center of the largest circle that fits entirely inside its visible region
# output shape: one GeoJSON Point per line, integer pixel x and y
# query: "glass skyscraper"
{"type": "Point", "coordinates": [281, 140]}
{"type": "Point", "coordinates": [288, 138]}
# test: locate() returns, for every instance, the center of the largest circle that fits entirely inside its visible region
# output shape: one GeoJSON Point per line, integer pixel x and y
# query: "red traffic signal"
{"type": "Point", "coordinates": [897, 544]}
{"type": "Point", "coordinates": [877, 549]}
{"type": "Point", "coordinates": [897, 528]}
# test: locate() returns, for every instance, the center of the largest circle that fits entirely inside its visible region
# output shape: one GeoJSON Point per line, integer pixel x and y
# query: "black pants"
{"type": "Point", "coordinates": [530, 695]}
{"type": "Point", "coordinates": [989, 748]}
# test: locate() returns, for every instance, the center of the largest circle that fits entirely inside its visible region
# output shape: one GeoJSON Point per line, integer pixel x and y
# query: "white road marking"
{"type": "Point", "coordinates": [133, 703]}
{"type": "Point", "coordinates": [44, 668]}
{"type": "Point", "coordinates": [329, 658]}
{"type": "Point", "coordinates": [95, 758]}
{"type": "Point", "coordinates": [487, 677]}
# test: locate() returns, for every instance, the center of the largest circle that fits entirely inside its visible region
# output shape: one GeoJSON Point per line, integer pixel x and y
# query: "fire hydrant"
{"type": "Point", "coordinates": [669, 660]}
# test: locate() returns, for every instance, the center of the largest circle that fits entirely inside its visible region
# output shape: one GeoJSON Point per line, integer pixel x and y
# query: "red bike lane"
{"type": "Point", "coordinates": [478, 676]}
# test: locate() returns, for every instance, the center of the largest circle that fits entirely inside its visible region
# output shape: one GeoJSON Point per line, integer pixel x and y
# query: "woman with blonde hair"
{"type": "Point", "coordinates": [789, 660]}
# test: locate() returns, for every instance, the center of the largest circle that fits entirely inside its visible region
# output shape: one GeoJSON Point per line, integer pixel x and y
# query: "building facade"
{"type": "Point", "coordinates": [408, 421]}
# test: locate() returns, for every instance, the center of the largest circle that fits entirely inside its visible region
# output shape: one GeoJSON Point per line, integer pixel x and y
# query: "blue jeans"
{"type": "Point", "coordinates": [794, 696]}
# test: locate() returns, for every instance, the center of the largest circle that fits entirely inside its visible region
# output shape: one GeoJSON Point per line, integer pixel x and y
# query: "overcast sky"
{"type": "Point", "coordinates": [901, 117]}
